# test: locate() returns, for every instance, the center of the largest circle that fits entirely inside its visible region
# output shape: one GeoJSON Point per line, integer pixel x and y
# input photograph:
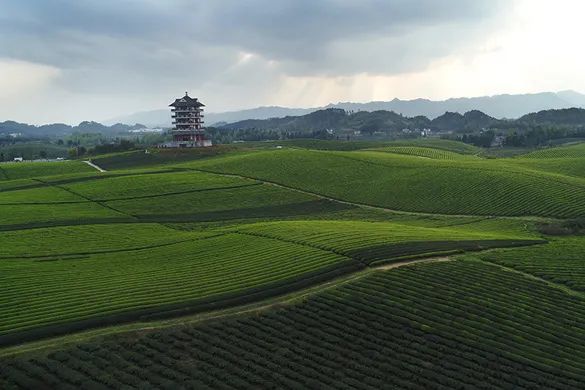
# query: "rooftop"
{"type": "Point", "coordinates": [186, 101]}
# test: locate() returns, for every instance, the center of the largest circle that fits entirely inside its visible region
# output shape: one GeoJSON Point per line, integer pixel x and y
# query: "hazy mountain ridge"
{"type": "Point", "coordinates": [338, 119]}
{"type": "Point", "coordinates": [62, 129]}
{"type": "Point", "coordinates": [389, 121]}
{"type": "Point", "coordinates": [498, 106]}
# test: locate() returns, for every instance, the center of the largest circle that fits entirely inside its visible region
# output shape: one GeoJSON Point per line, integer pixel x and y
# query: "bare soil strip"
{"type": "Point", "coordinates": [95, 166]}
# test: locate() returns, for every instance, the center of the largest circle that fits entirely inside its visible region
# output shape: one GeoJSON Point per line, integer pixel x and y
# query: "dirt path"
{"type": "Point", "coordinates": [94, 166]}
{"type": "Point", "coordinates": [386, 267]}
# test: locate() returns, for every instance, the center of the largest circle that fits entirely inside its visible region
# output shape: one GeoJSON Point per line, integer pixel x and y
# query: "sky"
{"type": "Point", "coordinates": [74, 60]}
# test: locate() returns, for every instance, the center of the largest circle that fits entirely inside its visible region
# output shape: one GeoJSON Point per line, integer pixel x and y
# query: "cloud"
{"type": "Point", "coordinates": [19, 79]}
{"type": "Point", "coordinates": [305, 36]}
{"type": "Point", "coordinates": [130, 48]}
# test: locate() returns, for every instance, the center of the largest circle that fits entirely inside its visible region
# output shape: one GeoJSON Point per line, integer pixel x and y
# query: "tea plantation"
{"type": "Point", "coordinates": [410, 183]}
{"type": "Point", "coordinates": [443, 325]}
{"type": "Point", "coordinates": [318, 264]}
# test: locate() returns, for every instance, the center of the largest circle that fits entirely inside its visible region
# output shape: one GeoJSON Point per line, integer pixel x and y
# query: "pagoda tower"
{"type": "Point", "coordinates": [187, 114]}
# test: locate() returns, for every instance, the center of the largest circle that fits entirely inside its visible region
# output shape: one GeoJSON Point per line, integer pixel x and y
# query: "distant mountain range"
{"type": "Point", "coordinates": [336, 119]}
{"type": "Point", "coordinates": [499, 106]}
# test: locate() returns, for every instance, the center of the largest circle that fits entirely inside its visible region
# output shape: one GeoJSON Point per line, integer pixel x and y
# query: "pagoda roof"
{"type": "Point", "coordinates": [186, 101]}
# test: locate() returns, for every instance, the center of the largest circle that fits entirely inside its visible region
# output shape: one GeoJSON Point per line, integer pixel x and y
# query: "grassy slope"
{"type": "Point", "coordinates": [38, 169]}
{"type": "Point", "coordinates": [148, 195]}
{"type": "Point", "coordinates": [39, 215]}
{"type": "Point", "coordinates": [442, 325]}
{"type": "Point", "coordinates": [426, 152]}
{"type": "Point", "coordinates": [440, 144]}
{"type": "Point", "coordinates": [67, 290]}
{"type": "Point", "coordinates": [570, 151]}
{"type": "Point", "coordinates": [66, 241]}
{"type": "Point", "coordinates": [373, 242]}
{"type": "Point", "coordinates": [561, 261]}
{"type": "Point", "coordinates": [88, 272]}
{"type": "Point", "coordinates": [409, 183]}
{"type": "Point", "coordinates": [82, 283]}
{"type": "Point", "coordinates": [567, 160]}
{"type": "Point", "coordinates": [142, 185]}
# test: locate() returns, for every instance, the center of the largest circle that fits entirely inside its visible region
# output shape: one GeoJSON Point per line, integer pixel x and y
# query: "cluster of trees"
{"type": "Point", "coordinates": [62, 129]}
{"type": "Point", "coordinates": [227, 136]}
{"type": "Point", "coordinates": [542, 135]}
{"type": "Point", "coordinates": [483, 139]}
{"type": "Point", "coordinates": [112, 147]}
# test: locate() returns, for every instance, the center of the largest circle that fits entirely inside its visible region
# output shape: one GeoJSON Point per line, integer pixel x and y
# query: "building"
{"type": "Point", "coordinates": [187, 114]}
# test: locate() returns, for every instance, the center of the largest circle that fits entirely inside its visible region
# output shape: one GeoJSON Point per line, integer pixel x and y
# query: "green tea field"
{"type": "Point", "coordinates": [311, 265]}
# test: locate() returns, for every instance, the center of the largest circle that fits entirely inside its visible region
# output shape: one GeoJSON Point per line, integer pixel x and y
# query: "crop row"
{"type": "Point", "coordinates": [69, 290]}
{"type": "Point", "coordinates": [237, 198]}
{"type": "Point", "coordinates": [437, 154]}
{"type": "Point", "coordinates": [143, 185]}
{"type": "Point", "coordinates": [65, 206]}
{"type": "Point", "coordinates": [573, 151]}
{"type": "Point", "coordinates": [440, 144]}
{"type": "Point", "coordinates": [19, 216]}
{"type": "Point", "coordinates": [574, 166]}
{"type": "Point", "coordinates": [88, 239]}
{"type": "Point", "coordinates": [447, 325]}
{"type": "Point", "coordinates": [481, 187]}
{"type": "Point", "coordinates": [561, 261]}
{"type": "Point", "coordinates": [38, 195]}
{"type": "Point", "coordinates": [372, 241]}
{"type": "Point", "coordinates": [39, 169]}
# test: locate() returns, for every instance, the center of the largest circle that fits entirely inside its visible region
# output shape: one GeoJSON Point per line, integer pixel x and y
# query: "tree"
{"type": "Point", "coordinates": [43, 154]}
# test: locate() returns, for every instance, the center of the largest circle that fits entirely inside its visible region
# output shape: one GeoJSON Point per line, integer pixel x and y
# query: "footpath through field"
{"type": "Point", "coordinates": [94, 166]}
{"type": "Point", "coordinates": [276, 301]}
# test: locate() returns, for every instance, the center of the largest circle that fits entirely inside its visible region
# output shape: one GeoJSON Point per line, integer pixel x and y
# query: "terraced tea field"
{"type": "Point", "coordinates": [320, 264]}
{"type": "Point", "coordinates": [562, 261]}
{"type": "Point", "coordinates": [409, 183]}
{"type": "Point", "coordinates": [389, 329]}
{"type": "Point", "coordinates": [85, 275]}
{"type": "Point", "coordinates": [437, 154]}
{"type": "Point", "coordinates": [24, 170]}
{"type": "Point", "coordinates": [79, 291]}
{"type": "Point", "coordinates": [572, 151]}
{"type": "Point", "coordinates": [374, 243]}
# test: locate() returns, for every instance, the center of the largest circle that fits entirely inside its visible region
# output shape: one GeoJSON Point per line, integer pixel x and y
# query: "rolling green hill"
{"type": "Point", "coordinates": [314, 265]}
{"type": "Point", "coordinates": [561, 261]}
{"type": "Point", "coordinates": [85, 276]}
{"type": "Point", "coordinates": [572, 151]}
{"type": "Point", "coordinates": [409, 183]}
{"type": "Point", "coordinates": [459, 324]}
{"type": "Point", "coordinates": [438, 154]}
{"type": "Point", "coordinates": [23, 170]}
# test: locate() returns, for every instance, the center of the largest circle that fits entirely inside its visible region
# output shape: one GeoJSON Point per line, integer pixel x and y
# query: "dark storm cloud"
{"type": "Point", "coordinates": [108, 43]}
